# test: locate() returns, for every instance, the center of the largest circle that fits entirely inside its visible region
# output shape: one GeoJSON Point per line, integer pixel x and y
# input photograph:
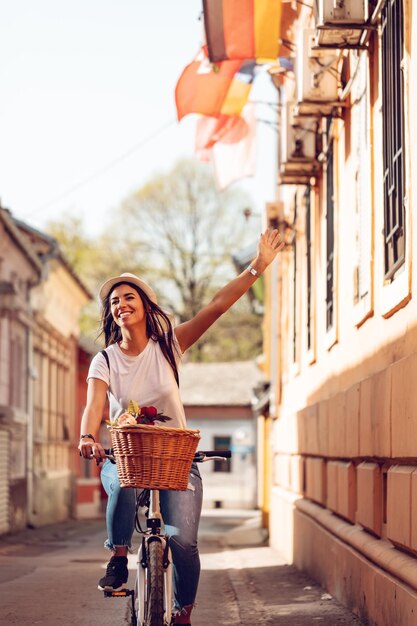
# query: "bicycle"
{"type": "Point", "coordinates": [151, 597]}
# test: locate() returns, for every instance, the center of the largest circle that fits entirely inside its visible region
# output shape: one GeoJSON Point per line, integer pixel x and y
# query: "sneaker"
{"type": "Point", "coordinates": [116, 574]}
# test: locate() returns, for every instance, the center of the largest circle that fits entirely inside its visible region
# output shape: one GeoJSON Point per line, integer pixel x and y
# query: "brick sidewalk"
{"type": "Point", "coordinates": [57, 568]}
{"type": "Point", "coordinates": [242, 585]}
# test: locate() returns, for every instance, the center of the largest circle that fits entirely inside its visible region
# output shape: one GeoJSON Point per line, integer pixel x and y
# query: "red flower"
{"type": "Point", "coordinates": [149, 411]}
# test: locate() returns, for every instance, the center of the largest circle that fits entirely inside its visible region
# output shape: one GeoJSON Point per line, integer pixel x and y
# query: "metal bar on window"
{"type": "Point", "coordinates": [329, 239]}
{"type": "Point", "coordinates": [307, 198]}
{"type": "Point", "coordinates": [393, 135]}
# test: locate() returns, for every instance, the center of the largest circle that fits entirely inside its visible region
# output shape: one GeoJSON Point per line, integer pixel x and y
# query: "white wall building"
{"type": "Point", "coordinates": [218, 402]}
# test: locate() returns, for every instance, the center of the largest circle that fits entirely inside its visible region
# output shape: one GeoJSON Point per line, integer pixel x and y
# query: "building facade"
{"type": "Point", "coordinates": [342, 321]}
{"type": "Point", "coordinates": [90, 498]}
{"type": "Point", "coordinates": [20, 271]}
{"type": "Point", "coordinates": [40, 303]}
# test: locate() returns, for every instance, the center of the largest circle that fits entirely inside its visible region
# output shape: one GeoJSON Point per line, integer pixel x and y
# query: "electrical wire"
{"type": "Point", "coordinates": [103, 169]}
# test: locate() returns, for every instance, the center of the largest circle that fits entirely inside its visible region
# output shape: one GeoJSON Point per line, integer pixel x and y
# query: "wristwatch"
{"type": "Point", "coordinates": [252, 270]}
{"type": "Point", "coordinates": [89, 436]}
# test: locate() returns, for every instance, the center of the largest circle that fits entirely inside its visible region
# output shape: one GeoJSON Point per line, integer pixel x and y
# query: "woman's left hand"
{"type": "Point", "coordinates": [269, 245]}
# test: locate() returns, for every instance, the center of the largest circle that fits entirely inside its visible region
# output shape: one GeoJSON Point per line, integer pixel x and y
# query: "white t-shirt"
{"type": "Point", "coordinates": [147, 378]}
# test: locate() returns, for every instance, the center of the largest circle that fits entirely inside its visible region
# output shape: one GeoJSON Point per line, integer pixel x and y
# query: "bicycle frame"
{"type": "Point", "coordinates": [140, 597]}
{"type": "Point", "coordinates": [154, 522]}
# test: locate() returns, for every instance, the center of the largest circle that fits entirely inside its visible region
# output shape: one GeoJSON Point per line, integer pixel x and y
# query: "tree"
{"type": "Point", "coordinates": [91, 259]}
{"type": "Point", "coordinates": [189, 232]}
{"type": "Point", "coordinates": [178, 233]}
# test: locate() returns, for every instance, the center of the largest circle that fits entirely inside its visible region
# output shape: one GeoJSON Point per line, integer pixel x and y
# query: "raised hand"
{"type": "Point", "coordinates": [270, 243]}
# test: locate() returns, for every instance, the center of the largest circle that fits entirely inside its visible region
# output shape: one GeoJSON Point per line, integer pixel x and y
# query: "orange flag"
{"type": "Point", "coordinates": [203, 86]}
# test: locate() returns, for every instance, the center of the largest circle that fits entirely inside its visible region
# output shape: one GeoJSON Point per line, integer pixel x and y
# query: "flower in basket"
{"type": "Point", "coordinates": [139, 415]}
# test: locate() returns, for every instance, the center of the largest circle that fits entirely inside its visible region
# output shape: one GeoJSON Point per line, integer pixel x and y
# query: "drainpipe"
{"type": "Point", "coordinates": [31, 377]}
{"type": "Point", "coordinates": [274, 340]}
{"type": "Point", "coordinates": [275, 318]}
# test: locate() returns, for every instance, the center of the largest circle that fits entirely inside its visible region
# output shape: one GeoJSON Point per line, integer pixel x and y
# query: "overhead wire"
{"type": "Point", "coordinates": [103, 169]}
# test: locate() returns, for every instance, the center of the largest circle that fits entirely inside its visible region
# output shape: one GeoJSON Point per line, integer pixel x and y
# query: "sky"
{"type": "Point", "coordinates": [87, 108]}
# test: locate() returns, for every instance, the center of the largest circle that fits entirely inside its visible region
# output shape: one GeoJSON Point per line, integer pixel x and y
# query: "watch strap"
{"type": "Point", "coordinates": [89, 436]}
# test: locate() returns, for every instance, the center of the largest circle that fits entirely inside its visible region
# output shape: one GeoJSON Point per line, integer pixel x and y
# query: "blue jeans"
{"type": "Point", "coordinates": [181, 513]}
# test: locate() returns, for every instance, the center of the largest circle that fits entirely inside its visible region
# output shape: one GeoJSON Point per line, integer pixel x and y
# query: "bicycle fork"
{"type": "Point", "coordinates": [143, 563]}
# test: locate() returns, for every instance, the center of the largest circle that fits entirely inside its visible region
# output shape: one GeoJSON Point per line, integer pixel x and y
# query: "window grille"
{"type": "Point", "coordinates": [329, 239]}
{"type": "Point", "coordinates": [294, 286]}
{"type": "Point", "coordinates": [18, 367]}
{"type": "Point", "coordinates": [37, 397]}
{"type": "Point", "coordinates": [393, 135]}
{"type": "Point", "coordinates": [307, 200]}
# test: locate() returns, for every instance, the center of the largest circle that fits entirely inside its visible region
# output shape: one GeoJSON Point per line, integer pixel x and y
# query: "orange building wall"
{"type": "Point", "coordinates": [347, 414]}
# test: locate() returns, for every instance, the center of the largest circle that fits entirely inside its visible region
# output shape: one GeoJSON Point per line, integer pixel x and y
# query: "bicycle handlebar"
{"type": "Point", "coordinates": [200, 456]}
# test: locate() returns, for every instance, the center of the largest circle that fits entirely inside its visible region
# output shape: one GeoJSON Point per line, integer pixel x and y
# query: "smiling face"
{"type": "Point", "coordinates": [126, 306]}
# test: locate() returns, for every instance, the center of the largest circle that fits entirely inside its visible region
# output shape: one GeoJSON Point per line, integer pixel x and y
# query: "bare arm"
{"type": "Point", "coordinates": [91, 419]}
{"type": "Point", "coordinates": [189, 332]}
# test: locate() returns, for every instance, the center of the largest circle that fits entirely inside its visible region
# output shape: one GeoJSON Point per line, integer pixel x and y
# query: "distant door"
{"type": "Point", "coordinates": [222, 443]}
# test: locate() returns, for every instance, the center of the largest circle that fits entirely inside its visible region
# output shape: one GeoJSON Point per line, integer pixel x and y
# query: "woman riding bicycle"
{"type": "Point", "coordinates": [143, 356]}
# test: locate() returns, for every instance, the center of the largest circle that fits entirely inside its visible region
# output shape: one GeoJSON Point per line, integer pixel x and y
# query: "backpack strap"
{"type": "Point", "coordinates": [106, 356]}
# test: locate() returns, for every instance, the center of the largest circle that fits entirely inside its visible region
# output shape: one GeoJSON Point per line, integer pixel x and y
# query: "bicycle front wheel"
{"type": "Point", "coordinates": [154, 615]}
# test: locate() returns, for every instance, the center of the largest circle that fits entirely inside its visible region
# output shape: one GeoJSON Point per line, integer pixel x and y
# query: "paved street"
{"type": "Point", "coordinates": [49, 575]}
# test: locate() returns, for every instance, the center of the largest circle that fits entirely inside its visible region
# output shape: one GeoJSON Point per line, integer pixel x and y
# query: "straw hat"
{"type": "Point", "coordinates": [126, 277]}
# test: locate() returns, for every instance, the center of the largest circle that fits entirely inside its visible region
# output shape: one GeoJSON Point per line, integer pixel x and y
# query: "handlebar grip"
{"type": "Point", "coordinates": [226, 454]}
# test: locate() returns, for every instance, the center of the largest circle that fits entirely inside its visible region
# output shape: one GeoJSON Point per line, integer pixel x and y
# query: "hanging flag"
{"type": "Point", "coordinates": [239, 89]}
{"type": "Point", "coordinates": [203, 86]}
{"type": "Point", "coordinates": [210, 130]}
{"type": "Point", "coordinates": [214, 89]}
{"type": "Point", "coordinates": [234, 155]}
{"type": "Point", "coordinates": [242, 29]}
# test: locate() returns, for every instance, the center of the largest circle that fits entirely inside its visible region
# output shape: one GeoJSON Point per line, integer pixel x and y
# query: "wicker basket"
{"type": "Point", "coordinates": [154, 457]}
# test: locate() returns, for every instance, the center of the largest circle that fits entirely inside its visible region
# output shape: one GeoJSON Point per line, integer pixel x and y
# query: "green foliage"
{"type": "Point", "coordinates": [236, 336]}
{"type": "Point", "coordinates": [189, 232]}
{"type": "Point", "coordinates": [178, 233]}
{"type": "Point", "coordinates": [93, 259]}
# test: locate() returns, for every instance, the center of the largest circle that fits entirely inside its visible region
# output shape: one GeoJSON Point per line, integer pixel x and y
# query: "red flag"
{"type": "Point", "coordinates": [242, 29]}
{"type": "Point", "coordinates": [227, 128]}
{"type": "Point", "coordinates": [233, 145]}
{"type": "Point", "coordinates": [203, 86]}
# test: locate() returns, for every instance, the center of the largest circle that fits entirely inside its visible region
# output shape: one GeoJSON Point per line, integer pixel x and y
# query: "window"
{"type": "Point", "coordinates": [329, 238]}
{"type": "Point", "coordinates": [37, 397]}
{"type": "Point", "coordinates": [18, 366]}
{"type": "Point", "coordinates": [361, 141]}
{"type": "Point", "coordinates": [393, 136]}
{"type": "Point", "coordinates": [222, 443]}
{"type": "Point", "coordinates": [53, 401]}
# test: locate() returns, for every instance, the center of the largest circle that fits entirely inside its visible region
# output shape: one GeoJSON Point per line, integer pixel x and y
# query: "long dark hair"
{"type": "Point", "coordinates": [158, 326]}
